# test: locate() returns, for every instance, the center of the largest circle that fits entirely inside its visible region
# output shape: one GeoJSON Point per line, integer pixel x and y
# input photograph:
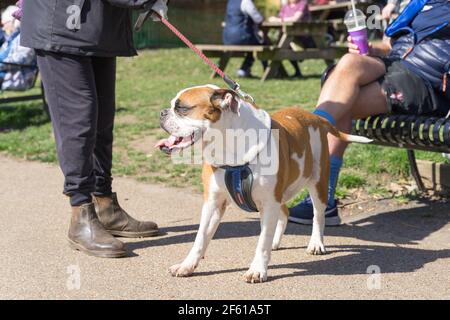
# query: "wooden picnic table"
{"type": "Point", "coordinates": [288, 32]}
{"type": "Point", "coordinates": [280, 50]}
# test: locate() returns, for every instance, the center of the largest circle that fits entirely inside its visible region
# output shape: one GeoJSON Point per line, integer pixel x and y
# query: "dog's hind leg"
{"type": "Point", "coordinates": [258, 269]}
{"type": "Point", "coordinates": [212, 213]}
{"type": "Point", "coordinates": [281, 227]}
{"type": "Point", "coordinates": [319, 196]}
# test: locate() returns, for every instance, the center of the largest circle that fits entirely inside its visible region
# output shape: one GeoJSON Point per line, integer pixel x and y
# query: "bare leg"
{"type": "Point", "coordinates": [351, 91]}
{"type": "Point", "coordinates": [371, 101]}
{"type": "Point", "coordinates": [342, 89]}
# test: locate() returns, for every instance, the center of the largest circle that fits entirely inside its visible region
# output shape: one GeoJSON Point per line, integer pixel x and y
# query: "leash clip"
{"type": "Point", "coordinates": [237, 88]}
{"type": "Point", "coordinates": [243, 94]}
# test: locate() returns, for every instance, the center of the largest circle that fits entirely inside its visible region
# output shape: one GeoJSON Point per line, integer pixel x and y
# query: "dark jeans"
{"type": "Point", "coordinates": [234, 36]}
{"type": "Point", "coordinates": [81, 96]}
{"type": "Point", "coordinates": [306, 42]}
{"type": "Point", "coordinates": [248, 63]}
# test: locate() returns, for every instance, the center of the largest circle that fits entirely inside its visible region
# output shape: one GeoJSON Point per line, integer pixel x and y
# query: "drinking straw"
{"type": "Point", "coordinates": [354, 12]}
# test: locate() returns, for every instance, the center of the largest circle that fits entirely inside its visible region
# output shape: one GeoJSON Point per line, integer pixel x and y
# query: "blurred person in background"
{"type": "Point", "coordinates": [12, 54]}
{"type": "Point", "coordinates": [392, 8]}
{"type": "Point", "coordinates": [242, 23]}
{"type": "Point", "coordinates": [319, 2]}
{"type": "Point", "coordinates": [293, 11]}
{"type": "Point", "coordinates": [296, 11]}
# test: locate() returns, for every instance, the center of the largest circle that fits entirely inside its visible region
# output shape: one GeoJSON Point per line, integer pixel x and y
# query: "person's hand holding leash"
{"type": "Point", "coordinates": [155, 10]}
{"type": "Point", "coordinates": [161, 8]}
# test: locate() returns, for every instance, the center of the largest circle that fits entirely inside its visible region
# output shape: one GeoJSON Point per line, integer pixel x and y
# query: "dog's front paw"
{"type": "Point", "coordinates": [275, 245]}
{"type": "Point", "coordinates": [180, 270]}
{"type": "Point", "coordinates": [316, 248]}
{"type": "Point", "coordinates": [254, 276]}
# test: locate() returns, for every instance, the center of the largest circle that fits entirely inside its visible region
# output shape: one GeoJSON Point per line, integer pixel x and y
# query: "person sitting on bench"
{"type": "Point", "coordinates": [407, 74]}
{"type": "Point", "coordinates": [11, 52]}
{"type": "Point", "coordinates": [241, 28]}
{"type": "Point", "coordinates": [296, 11]}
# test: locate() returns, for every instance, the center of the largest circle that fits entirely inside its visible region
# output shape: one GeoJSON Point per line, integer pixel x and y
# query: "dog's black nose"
{"type": "Point", "coordinates": [164, 112]}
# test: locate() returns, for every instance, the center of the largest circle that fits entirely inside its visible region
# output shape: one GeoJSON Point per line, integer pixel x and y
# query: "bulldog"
{"type": "Point", "coordinates": [293, 143]}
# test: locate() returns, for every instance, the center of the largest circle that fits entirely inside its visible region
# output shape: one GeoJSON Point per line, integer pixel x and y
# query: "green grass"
{"type": "Point", "coordinates": [146, 85]}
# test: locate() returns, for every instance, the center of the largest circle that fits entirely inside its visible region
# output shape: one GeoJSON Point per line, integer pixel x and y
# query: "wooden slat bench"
{"type": "Point", "coordinates": [408, 132]}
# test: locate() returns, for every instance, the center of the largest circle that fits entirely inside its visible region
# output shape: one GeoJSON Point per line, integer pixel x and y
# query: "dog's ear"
{"type": "Point", "coordinates": [225, 100]}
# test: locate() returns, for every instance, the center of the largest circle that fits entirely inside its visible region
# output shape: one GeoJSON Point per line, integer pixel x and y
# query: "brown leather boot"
{"type": "Point", "coordinates": [119, 223]}
{"type": "Point", "coordinates": [87, 234]}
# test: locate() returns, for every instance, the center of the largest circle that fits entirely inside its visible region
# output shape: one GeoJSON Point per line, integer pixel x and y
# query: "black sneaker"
{"type": "Point", "coordinates": [303, 213]}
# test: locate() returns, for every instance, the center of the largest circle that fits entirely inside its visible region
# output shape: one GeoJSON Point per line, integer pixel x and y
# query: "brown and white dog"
{"type": "Point", "coordinates": [298, 152]}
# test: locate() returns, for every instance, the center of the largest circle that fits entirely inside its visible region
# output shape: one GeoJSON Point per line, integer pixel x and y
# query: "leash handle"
{"type": "Point", "coordinates": [233, 85]}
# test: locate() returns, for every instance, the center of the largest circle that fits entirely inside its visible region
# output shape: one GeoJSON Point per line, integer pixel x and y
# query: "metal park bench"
{"type": "Point", "coordinates": [29, 97]}
{"type": "Point", "coordinates": [408, 132]}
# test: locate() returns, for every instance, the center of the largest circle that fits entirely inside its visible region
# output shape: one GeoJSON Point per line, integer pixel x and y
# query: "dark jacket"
{"type": "Point", "coordinates": [81, 27]}
{"type": "Point", "coordinates": [239, 26]}
{"type": "Point", "coordinates": [423, 44]}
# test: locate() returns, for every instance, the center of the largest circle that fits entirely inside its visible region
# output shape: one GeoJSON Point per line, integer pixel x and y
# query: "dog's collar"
{"type": "Point", "coordinates": [239, 182]}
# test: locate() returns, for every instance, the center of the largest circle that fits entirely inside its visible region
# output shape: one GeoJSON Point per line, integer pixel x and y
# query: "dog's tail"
{"type": "Point", "coordinates": [346, 137]}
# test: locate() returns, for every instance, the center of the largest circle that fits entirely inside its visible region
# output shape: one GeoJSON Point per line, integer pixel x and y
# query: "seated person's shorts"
{"type": "Point", "coordinates": [407, 93]}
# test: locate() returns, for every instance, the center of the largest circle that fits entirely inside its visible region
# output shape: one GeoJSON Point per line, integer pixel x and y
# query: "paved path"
{"type": "Point", "coordinates": [410, 246]}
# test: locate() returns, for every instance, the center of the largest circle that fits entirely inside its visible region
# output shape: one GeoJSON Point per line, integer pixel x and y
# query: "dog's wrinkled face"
{"type": "Point", "coordinates": [192, 112]}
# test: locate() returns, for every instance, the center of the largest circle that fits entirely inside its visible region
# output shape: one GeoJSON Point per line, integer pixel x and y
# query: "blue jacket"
{"type": "Point", "coordinates": [13, 77]}
{"type": "Point", "coordinates": [239, 26]}
{"type": "Point", "coordinates": [422, 41]}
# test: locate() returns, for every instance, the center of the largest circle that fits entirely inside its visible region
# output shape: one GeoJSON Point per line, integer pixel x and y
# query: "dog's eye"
{"type": "Point", "coordinates": [182, 110]}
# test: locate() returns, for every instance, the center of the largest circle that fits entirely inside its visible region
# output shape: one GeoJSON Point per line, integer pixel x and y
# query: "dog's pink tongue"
{"type": "Point", "coordinates": [166, 142]}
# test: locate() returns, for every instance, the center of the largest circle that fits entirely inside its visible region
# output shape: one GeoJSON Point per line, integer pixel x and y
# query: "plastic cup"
{"type": "Point", "coordinates": [359, 38]}
{"type": "Point", "coordinates": [355, 20]}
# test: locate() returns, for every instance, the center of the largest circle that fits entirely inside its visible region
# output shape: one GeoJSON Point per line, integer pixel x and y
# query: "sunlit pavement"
{"type": "Point", "coordinates": [394, 255]}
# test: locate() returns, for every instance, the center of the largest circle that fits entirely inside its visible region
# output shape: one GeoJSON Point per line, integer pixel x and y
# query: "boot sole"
{"type": "Point", "coordinates": [130, 234]}
{"type": "Point", "coordinates": [95, 253]}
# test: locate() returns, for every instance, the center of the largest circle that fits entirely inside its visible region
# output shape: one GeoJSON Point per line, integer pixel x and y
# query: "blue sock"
{"type": "Point", "coordinates": [325, 115]}
{"type": "Point", "coordinates": [335, 162]}
{"type": "Point", "coordinates": [335, 168]}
